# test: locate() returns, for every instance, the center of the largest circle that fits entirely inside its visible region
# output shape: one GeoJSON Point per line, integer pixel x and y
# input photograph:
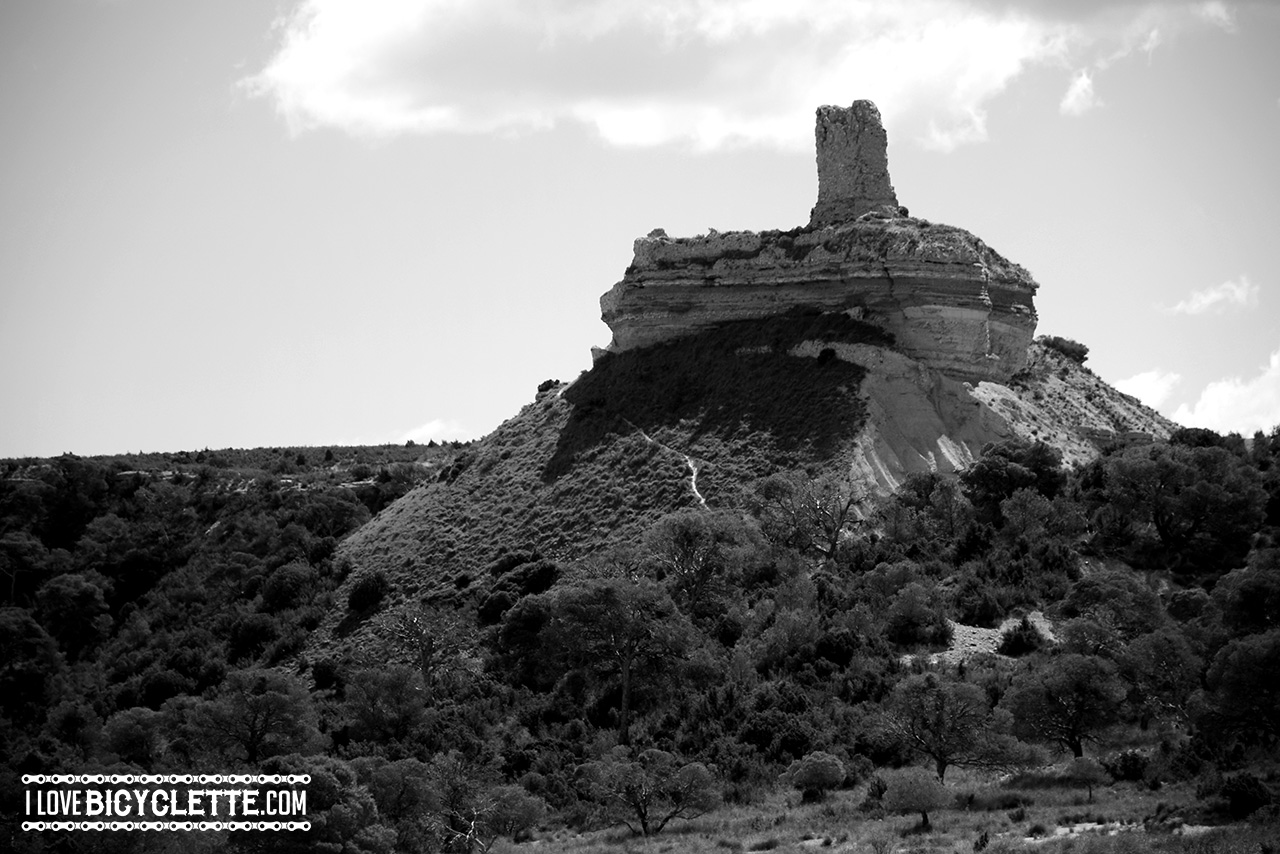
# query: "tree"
{"type": "Point", "coordinates": [613, 626]}
{"type": "Point", "coordinates": [468, 813]}
{"type": "Point", "coordinates": [1087, 772]}
{"type": "Point", "coordinates": [1250, 597]}
{"type": "Point", "coordinates": [913, 618]}
{"type": "Point", "coordinates": [1006, 467]}
{"type": "Point", "coordinates": [1192, 508]}
{"type": "Point", "coordinates": [1244, 694]}
{"type": "Point", "coordinates": [342, 813]}
{"type": "Point", "coordinates": [1117, 600]}
{"type": "Point", "coordinates": [29, 666]}
{"type": "Point", "coordinates": [1164, 672]}
{"type": "Point", "coordinates": [258, 713]}
{"type": "Point", "coordinates": [1073, 350]}
{"type": "Point", "coordinates": [434, 638]}
{"type": "Point", "coordinates": [693, 552]}
{"type": "Point", "coordinates": [651, 789]}
{"type": "Point", "coordinates": [942, 719]}
{"type": "Point", "coordinates": [916, 790]}
{"type": "Point", "coordinates": [134, 735]}
{"type": "Point", "coordinates": [385, 704]}
{"type": "Point", "coordinates": [808, 514]}
{"type": "Point", "coordinates": [1065, 700]}
{"type": "Point", "coordinates": [815, 775]}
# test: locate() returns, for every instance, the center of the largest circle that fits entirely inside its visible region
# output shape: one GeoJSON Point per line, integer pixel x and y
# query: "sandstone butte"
{"type": "Point", "coordinates": [951, 302]}
{"type": "Point", "coordinates": [963, 372]}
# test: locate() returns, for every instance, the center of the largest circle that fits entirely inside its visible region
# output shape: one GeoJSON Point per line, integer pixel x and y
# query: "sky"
{"type": "Point", "coordinates": [315, 222]}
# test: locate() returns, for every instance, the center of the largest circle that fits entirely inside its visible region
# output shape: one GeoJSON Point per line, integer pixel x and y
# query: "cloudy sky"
{"type": "Point", "coordinates": [246, 223]}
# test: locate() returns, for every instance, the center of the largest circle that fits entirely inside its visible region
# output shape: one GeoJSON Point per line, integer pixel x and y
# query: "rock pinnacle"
{"type": "Point", "coordinates": [853, 164]}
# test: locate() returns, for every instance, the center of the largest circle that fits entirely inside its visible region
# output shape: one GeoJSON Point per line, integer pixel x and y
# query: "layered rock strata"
{"type": "Point", "coordinates": [951, 301]}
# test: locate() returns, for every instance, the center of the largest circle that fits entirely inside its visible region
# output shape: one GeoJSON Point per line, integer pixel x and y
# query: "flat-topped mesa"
{"type": "Point", "coordinates": [853, 165]}
{"type": "Point", "coordinates": [950, 301]}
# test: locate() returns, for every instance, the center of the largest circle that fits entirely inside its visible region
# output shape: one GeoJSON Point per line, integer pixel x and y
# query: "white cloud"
{"type": "Point", "coordinates": [1226, 295]}
{"type": "Point", "coordinates": [439, 429]}
{"type": "Point", "coordinates": [1151, 387]}
{"type": "Point", "coordinates": [1238, 405]}
{"type": "Point", "coordinates": [647, 72]}
{"type": "Point", "coordinates": [1080, 97]}
{"type": "Point", "coordinates": [1218, 13]}
{"type": "Point", "coordinates": [1152, 42]}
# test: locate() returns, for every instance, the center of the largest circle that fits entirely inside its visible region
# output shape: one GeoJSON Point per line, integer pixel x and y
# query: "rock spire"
{"type": "Point", "coordinates": [853, 165]}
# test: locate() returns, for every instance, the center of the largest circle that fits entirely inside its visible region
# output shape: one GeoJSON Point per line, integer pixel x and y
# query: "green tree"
{"type": "Point", "coordinates": [1087, 772]}
{"type": "Point", "coordinates": [808, 514]}
{"type": "Point", "coordinates": [1117, 600]}
{"type": "Point", "coordinates": [1250, 597]}
{"type": "Point", "coordinates": [29, 666]}
{"type": "Point", "coordinates": [695, 553]}
{"type": "Point", "coordinates": [647, 792]}
{"type": "Point", "coordinates": [1067, 700]}
{"type": "Point", "coordinates": [386, 705]}
{"type": "Point", "coordinates": [815, 775]}
{"type": "Point", "coordinates": [434, 637]}
{"type": "Point", "coordinates": [135, 736]}
{"type": "Point", "coordinates": [343, 814]}
{"type": "Point", "coordinates": [1164, 671]}
{"type": "Point", "coordinates": [916, 790]}
{"type": "Point", "coordinates": [258, 713]}
{"type": "Point", "coordinates": [616, 627]}
{"type": "Point", "coordinates": [949, 722]}
{"type": "Point", "coordinates": [1006, 467]}
{"type": "Point", "coordinates": [1194, 509]}
{"type": "Point", "coordinates": [1243, 692]}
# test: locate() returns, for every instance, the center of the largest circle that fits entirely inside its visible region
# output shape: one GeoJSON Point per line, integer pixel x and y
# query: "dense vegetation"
{"type": "Point", "coordinates": [153, 609]}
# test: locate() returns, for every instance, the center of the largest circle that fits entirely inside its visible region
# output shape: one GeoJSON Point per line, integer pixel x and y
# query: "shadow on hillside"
{"type": "Point", "coordinates": [735, 383]}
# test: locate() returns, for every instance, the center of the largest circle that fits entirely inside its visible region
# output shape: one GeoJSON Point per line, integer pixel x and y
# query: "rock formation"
{"type": "Point", "coordinates": [853, 165]}
{"type": "Point", "coordinates": [951, 301]}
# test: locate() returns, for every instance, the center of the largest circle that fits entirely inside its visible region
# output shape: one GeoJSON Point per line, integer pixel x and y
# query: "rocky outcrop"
{"type": "Point", "coordinates": [853, 165]}
{"type": "Point", "coordinates": [950, 301]}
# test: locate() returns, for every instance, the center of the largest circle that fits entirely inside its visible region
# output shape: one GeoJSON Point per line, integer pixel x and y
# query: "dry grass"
{"type": "Point", "coordinates": [1057, 821]}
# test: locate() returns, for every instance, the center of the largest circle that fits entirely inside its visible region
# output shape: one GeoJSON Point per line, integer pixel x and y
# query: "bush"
{"type": "Point", "coordinates": [1021, 639]}
{"type": "Point", "coordinates": [368, 592]}
{"type": "Point", "coordinates": [1130, 765]}
{"type": "Point", "coordinates": [916, 790]}
{"type": "Point", "coordinates": [1088, 773]}
{"type": "Point", "coordinates": [815, 775]}
{"type": "Point", "coordinates": [1073, 350]}
{"type": "Point", "coordinates": [1245, 794]}
{"type": "Point", "coordinates": [874, 800]}
{"type": "Point", "coordinates": [914, 620]}
{"type": "Point", "coordinates": [993, 801]}
{"type": "Point", "coordinates": [858, 768]}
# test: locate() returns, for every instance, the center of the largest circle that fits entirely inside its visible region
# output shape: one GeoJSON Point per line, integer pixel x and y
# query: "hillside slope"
{"type": "Point", "coordinates": [695, 422]}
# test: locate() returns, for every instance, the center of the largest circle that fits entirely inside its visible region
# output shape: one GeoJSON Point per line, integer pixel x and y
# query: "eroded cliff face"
{"type": "Point", "coordinates": [950, 300]}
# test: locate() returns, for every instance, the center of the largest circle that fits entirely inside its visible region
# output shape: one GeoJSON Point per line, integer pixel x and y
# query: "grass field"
{"type": "Point", "coordinates": [1027, 815]}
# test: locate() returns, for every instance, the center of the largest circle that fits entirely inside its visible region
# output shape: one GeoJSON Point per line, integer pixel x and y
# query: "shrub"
{"type": "Point", "coordinates": [1021, 639]}
{"type": "Point", "coordinates": [913, 619]}
{"type": "Point", "coordinates": [815, 775]}
{"type": "Point", "coordinates": [996, 801]}
{"type": "Point", "coordinates": [1245, 794]}
{"type": "Point", "coordinates": [874, 800]}
{"type": "Point", "coordinates": [858, 768]}
{"type": "Point", "coordinates": [368, 592]}
{"type": "Point", "coordinates": [1086, 772]}
{"type": "Point", "coordinates": [1128, 765]}
{"type": "Point", "coordinates": [1073, 350]}
{"type": "Point", "coordinates": [916, 790]}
